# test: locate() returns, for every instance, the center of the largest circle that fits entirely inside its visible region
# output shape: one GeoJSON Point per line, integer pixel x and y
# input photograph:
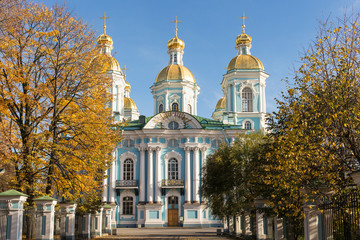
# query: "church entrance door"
{"type": "Point", "coordinates": [173, 211]}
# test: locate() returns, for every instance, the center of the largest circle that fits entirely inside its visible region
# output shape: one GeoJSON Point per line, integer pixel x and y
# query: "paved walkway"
{"type": "Point", "coordinates": [166, 233]}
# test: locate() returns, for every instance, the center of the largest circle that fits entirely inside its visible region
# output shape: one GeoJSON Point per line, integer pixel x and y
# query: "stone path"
{"type": "Point", "coordinates": [166, 233]}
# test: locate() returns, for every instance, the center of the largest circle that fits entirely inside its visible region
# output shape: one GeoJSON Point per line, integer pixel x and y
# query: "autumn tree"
{"type": "Point", "coordinates": [55, 125]}
{"type": "Point", "coordinates": [232, 175]}
{"type": "Point", "coordinates": [316, 128]}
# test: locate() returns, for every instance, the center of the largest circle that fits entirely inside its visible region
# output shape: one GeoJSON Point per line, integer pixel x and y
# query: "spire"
{"type": "Point", "coordinates": [243, 41]}
{"type": "Point", "coordinates": [104, 26]}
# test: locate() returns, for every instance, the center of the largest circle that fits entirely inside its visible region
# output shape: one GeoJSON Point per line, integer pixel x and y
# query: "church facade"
{"type": "Point", "coordinates": [155, 179]}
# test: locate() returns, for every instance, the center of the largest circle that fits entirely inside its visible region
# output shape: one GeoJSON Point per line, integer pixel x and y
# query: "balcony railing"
{"type": "Point", "coordinates": [172, 183]}
{"type": "Point", "coordinates": [126, 184]}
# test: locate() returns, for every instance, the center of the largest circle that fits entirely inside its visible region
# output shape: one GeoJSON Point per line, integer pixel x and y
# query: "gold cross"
{"type": "Point", "coordinates": [176, 21]}
{"type": "Point", "coordinates": [124, 69]}
{"type": "Point", "coordinates": [104, 17]}
{"type": "Point", "coordinates": [243, 25]}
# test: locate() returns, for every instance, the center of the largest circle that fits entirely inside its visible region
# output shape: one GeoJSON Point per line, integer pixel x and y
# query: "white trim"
{"type": "Point", "coordinates": [123, 157]}
{"type": "Point", "coordinates": [169, 156]}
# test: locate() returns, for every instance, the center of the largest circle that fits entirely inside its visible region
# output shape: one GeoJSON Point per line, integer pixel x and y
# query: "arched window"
{"type": "Point", "coordinates": [128, 206]}
{"type": "Point", "coordinates": [189, 108]}
{"type": "Point", "coordinates": [173, 125]}
{"type": "Point", "coordinates": [128, 169]}
{"type": "Point", "coordinates": [247, 100]}
{"type": "Point", "coordinates": [175, 107]}
{"type": "Point", "coordinates": [247, 125]}
{"type": "Point", "coordinates": [173, 169]}
{"type": "Point", "coordinates": [161, 108]}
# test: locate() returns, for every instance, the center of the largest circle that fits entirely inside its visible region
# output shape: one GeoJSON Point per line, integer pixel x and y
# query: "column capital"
{"type": "Point", "coordinates": [203, 149]}
{"type": "Point", "coordinates": [142, 149]}
{"type": "Point", "coordinates": [150, 149]}
{"type": "Point", "coordinates": [158, 149]}
{"type": "Point", "coordinates": [195, 148]}
{"type": "Point", "coordinates": [187, 149]}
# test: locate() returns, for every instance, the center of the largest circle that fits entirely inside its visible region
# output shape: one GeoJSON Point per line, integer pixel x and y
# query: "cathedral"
{"type": "Point", "coordinates": [155, 179]}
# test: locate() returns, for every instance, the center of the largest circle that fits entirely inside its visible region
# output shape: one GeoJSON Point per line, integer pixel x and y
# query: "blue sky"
{"type": "Point", "coordinates": [140, 29]}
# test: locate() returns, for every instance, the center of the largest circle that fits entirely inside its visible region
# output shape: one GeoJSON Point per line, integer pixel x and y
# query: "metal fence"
{"type": "Point", "coordinates": [340, 217]}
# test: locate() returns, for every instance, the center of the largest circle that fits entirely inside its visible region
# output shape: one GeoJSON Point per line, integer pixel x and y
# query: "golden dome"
{"type": "Point", "coordinates": [175, 43]}
{"type": "Point", "coordinates": [175, 72]}
{"type": "Point", "coordinates": [245, 62]}
{"type": "Point", "coordinates": [127, 86]}
{"type": "Point", "coordinates": [104, 39]}
{"type": "Point", "coordinates": [104, 63]}
{"type": "Point", "coordinates": [220, 104]}
{"type": "Point", "coordinates": [243, 39]}
{"type": "Point", "coordinates": [129, 103]}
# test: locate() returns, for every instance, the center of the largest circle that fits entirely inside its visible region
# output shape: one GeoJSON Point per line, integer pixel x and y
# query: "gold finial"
{"type": "Point", "coordinates": [176, 21]}
{"type": "Point", "coordinates": [243, 25]}
{"type": "Point", "coordinates": [124, 69]}
{"type": "Point", "coordinates": [104, 17]}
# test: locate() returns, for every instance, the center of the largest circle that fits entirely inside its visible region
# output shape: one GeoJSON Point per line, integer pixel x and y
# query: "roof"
{"type": "Point", "coordinates": [44, 198]}
{"type": "Point", "coordinates": [12, 192]}
{"type": "Point", "coordinates": [205, 123]}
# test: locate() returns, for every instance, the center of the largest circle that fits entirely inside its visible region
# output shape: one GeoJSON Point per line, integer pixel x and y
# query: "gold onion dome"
{"type": "Point", "coordinates": [221, 104]}
{"type": "Point", "coordinates": [104, 63]}
{"type": "Point", "coordinates": [175, 72]}
{"type": "Point", "coordinates": [243, 39]}
{"type": "Point", "coordinates": [104, 39]}
{"type": "Point", "coordinates": [245, 62]}
{"type": "Point", "coordinates": [129, 103]}
{"type": "Point", "coordinates": [127, 86]}
{"type": "Point", "coordinates": [176, 43]}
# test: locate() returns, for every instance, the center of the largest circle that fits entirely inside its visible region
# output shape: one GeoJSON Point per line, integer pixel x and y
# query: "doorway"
{"type": "Point", "coordinates": [173, 211]}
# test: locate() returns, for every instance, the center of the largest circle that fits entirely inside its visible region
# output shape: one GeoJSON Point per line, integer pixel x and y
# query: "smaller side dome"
{"type": "Point", "coordinates": [245, 62]}
{"type": "Point", "coordinates": [175, 72]}
{"type": "Point", "coordinates": [103, 63]}
{"type": "Point", "coordinates": [129, 103]}
{"type": "Point", "coordinates": [220, 104]}
{"type": "Point", "coordinates": [127, 86]}
{"type": "Point", "coordinates": [243, 39]}
{"type": "Point", "coordinates": [104, 39]}
{"type": "Point", "coordinates": [175, 43]}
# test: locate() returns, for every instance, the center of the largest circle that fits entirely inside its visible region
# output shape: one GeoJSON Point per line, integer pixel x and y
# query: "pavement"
{"type": "Point", "coordinates": [166, 233]}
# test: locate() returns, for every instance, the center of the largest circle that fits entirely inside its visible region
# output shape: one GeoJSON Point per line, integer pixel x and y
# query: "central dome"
{"type": "Point", "coordinates": [175, 72]}
{"type": "Point", "coordinates": [245, 62]}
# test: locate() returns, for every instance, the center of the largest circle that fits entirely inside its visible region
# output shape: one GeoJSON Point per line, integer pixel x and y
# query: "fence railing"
{"type": "Point", "coordinates": [171, 183]}
{"type": "Point", "coordinates": [126, 184]}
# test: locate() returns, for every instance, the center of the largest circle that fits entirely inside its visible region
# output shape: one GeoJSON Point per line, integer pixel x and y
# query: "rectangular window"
{"type": "Point", "coordinates": [67, 224]}
{"type": "Point", "coordinates": [128, 206]}
{"type": "Point", "coordinates": [8, 227]}
{"type": "Point", "coordinates": [43, 225]}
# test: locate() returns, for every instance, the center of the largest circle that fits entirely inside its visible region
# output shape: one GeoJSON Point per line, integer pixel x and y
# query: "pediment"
{"type": "Point", "coordinates": [173, 120]}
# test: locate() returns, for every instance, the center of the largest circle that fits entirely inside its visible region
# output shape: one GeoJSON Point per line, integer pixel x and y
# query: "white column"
{"type": "Point", "coordinates": [105, 185]}
{"type": "Point", "coordinates": [203, 164]}
{"type": "Point", "coordinates": [187, 175]}
{"type": "Point", "coordinates": [166, 107]}
{"type": "Point", "coordinates": [150, 182]}
{"type": "Point", "coordinates": [183, 104]}
{"type": "Point", "coordinates": [196, 172]}
{"type": "Point", "coordinates": [112, 179]}
{"type": "Point", "coordinates": [234, 96]}
{"type": "Point", "coordinates": [158, 176]}
{"type": "Point", "coordinates": [142, 175]}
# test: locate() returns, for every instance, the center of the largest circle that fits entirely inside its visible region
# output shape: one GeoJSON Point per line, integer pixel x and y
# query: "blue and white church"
{"type": "Point", "coordinates": [155, 178]}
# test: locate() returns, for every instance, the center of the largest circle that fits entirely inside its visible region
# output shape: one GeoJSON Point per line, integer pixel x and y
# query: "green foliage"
{"type": "Point", "coordinates": [231, 176]}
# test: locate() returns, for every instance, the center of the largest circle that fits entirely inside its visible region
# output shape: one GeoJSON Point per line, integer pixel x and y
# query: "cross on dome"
{"type": "Point", "coordinates": [104, 17]}
{"type": "Point", "coordinates": [176, 21]}
{"type": "Point", "coordinates": [243, 25]}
